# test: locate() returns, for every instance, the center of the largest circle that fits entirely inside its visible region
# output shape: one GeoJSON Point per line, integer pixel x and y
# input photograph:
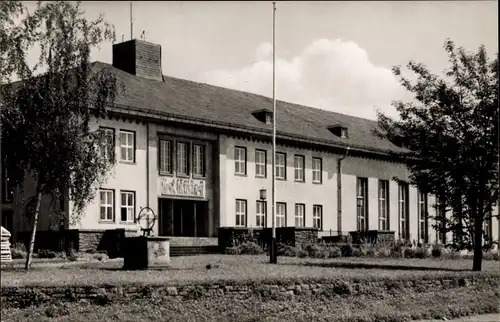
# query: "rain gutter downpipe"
{"type": "Point", "coordinates": [339, 191]}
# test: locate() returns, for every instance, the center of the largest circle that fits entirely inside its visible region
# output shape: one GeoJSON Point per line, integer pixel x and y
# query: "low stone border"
{"type": "Point", "coordinates": [26, 296]}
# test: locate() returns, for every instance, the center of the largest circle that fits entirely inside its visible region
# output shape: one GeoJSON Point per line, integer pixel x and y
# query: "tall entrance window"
{"type": "Point", "coordinates": [362, 204]}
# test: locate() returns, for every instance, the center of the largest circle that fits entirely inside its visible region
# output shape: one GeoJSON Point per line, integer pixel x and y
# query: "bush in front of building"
{"type": "Point", "coordinates": [437, 251]}
{"type": "Point", "coordinates": [250, 248]}
{"type": "Point", "coordinates": [46, 254]}
{"type": "Point", "coordinates": [18, 251]}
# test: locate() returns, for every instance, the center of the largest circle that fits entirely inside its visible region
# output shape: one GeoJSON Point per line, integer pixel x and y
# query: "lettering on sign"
{"type": "Point", "coordinates": [183, 187]}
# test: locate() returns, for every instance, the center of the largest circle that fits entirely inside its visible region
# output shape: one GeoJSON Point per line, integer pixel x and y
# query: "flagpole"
{"type": "Point", "coordinates": [273, 250]}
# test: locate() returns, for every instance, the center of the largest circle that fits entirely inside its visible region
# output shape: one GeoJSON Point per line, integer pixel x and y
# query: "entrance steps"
{"type": "Point", "coordinates": [188, 246]}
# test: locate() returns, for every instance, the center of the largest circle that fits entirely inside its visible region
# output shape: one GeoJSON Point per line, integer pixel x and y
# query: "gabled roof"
{"type": "Point", "coordinates": [218, 105]}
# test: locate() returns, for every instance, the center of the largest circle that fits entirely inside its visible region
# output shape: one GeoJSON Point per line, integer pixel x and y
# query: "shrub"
{"type": "Point", "coordinates": [316, 251]}
{"type": "Point", "coordinates": [290, 251]}
{"type": "Point", "coordinates": [397, 251]}
{"type": "Point", "coordinates": [455, 255]}
{"type": "Point", "coordinates": [71, 255]}
{"type": "Point", "coordinates": [250, 248]}
{"type": "Point", "coordinates": [18, 251]}
{"type": "Point", "coordinates": [233, 250]}
{"type": "Point", "coordinates": [335, 252]}
{"type": "Point", "coordinates": [383, 251]}
{"type": "Point", "coordinates": [45, 253]}
{"type": "Point", "coordinates": [408, 252]}
{"type": "Point", "coordinates": [347, 250]}
{"type": "Point", "coordinates": [437, 251]}
{"type": "Point", "coordinates": [366, 249]}
{"type": "Point", "coordinates": [420, 252]}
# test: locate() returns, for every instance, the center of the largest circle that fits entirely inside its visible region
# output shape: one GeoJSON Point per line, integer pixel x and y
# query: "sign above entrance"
{"type": "Point", "coordinates": [182, 187]}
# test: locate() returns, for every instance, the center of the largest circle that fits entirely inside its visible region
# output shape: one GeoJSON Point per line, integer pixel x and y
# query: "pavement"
{"type": "Point", "coordinates": [477, 318]}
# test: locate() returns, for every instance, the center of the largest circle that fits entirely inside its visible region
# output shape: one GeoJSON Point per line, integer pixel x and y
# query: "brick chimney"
{"type": "Point", "coordinates": [138, 57]}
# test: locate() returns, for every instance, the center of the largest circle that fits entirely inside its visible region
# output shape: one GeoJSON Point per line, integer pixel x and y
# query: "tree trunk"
{"type": "Point", "coordinates": [478, 239]}
{"type": "Point", "coordinates": [33, 232]}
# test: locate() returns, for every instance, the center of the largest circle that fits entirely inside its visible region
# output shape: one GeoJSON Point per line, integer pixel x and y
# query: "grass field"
{"type": "Point", "coordinates": [400, 306]}
{"type": "Point", "coordinates": [230, 267]}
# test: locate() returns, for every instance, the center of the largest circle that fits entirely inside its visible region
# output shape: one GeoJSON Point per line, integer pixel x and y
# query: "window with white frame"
{"type": "Point", "coordinates": [182, 159]}
{"type": "Point", "coordinates": [300, 210]}
{"type": "Point", "coordinates": [106, 204]}
{"type": "Point", "coordinates": [423, 224]}
{"type": "Point", "coordinates": [317, 170]}
{"type": "Point", "coordinates": [240, 160]}
{"type": "Point", "coordinates": [241, 213]}
{"type": "Point", "coordinates": [488, 227]}
{"type": "Point", "coordinates": [127, 206]}
{"type": "Point", "coordinates": [318, 217]}
{"type": "Point", "coordinates": [260, 217]}
{"type": "Point", "coordinates": [441, 219]}
{"type": "Point", "coordinates": [166, 157]}
{"type": "Point", "coordinates": [383, 205]}
{"type": "Point", "coordinates": [299, 168]}
{"type": "Point", "coordinates": [260, 163]}
{"type": "Point", "coordinates": [280, 165]}
{"type": "Point", "coordinates": [362, 204]}
{"type": "Point", "coordinates": [280, 214]}
{"type": "Point", "coordinates": [108, 147]}
{"type": "Point", "coordinates": [404, 216]}
{"type": "Point", "coordinates": [127, 146]}
{"type": "Point", "coordinates": [198, 160]}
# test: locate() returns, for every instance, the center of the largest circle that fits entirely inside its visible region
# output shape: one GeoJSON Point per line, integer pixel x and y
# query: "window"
{"type": "Point", "coordinates": [182, 159]}
{"type": "Point", "coordinates": [240, 161]}
{"type": "Point", "coordinates": [280, 166]}
{"type": "Point", "coordinates": [127, 146]}
{"type": "Point", "coordinates": [488, 231]}
{"type": "Point", "coordinates": [300, 210]}
{"type": "Point", "coordinates": [106, 202]}
{"type": "Point", "coordinates": [383, 205]}
{"type": "Point", "coordinates": [317, 169]}
{"type": "Point", "coordinates": [318, 217]}
{"type": "Point", "coordinates": [299, 168]}
{"type": "Point", "coordinates": [404, 222]}
{"type": "Point", "coordinates": [166, 157]}
{"type": "Point", "coordinates": [8, 190]}
{"type": "Point", "coordinates": [362, 204]}
{"type": "Point", "coordinates": [260, 217]}
{"type": "Point", "coordinates": [423, 221]}
{"type": "Point", "coordinates": [260, 163]}
{"type": "Point", "coordinates": [108, 148]}
{"type": "Point", "coordinates": [241, 213]}
{"type": "Point", "coordinates": [198, 160]}
{"type": "Point", "coordinates": [440, 219]}
{"type": "Point", "coordinates": [127, 208]}
{"type": "Point", "coordinates": [280, 214]}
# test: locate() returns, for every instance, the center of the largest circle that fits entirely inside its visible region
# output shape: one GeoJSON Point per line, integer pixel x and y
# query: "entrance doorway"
{"type": "Point", "coordinates": [183, 218]}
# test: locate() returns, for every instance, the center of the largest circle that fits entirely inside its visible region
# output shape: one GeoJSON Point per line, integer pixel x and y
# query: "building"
{"type": "Point", "coordinates": [198, 156]}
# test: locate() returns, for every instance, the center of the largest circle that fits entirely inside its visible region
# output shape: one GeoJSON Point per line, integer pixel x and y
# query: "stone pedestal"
{"type": "Point", "coordinates": [146, 252]}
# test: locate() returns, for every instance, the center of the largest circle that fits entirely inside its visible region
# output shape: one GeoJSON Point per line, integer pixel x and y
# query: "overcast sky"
{"type": "Point", "coordinates": [331, 55]}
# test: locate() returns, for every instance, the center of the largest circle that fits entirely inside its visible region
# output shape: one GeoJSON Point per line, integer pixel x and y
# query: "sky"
{"type": "Point", "coordinates": [331, 55]}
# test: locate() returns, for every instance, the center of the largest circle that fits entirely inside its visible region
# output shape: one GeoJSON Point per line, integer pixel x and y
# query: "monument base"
{"type": "Point", "coordinates": [146, 252]}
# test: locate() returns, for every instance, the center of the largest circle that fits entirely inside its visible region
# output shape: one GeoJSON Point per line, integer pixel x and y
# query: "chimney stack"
{"type": "Point", "coordinates": [138, 57]}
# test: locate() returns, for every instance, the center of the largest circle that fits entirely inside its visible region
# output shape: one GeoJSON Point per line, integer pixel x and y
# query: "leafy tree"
{"type": "Point", "coordinates": [451, 131]}
{"type": "Point", "coordinates": [46, 118]}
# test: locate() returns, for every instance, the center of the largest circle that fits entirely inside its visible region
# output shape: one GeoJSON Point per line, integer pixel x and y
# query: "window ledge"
{"type": "Point", "coordinates": [127, 223]}
{"type": "Point", "coordinates": [240, 175]}
{"type": "Point", "coordinates": [281, 179]}
{"type": "Point", "coordinates": [317, 182]}
{"type": "Point", "coordinates": [166, 174]}
{"type": "Point", "coordinates": [127, 162]}
{"type": "Point", "coordinates": [260, 177]}
{"type": "Point", "coordinates": [300, 181]}
{"type": "Point", "coordinates": [199, 177]}
{"type": "Point", "coordinates": [103, 221]}
{"type": "Point", "coordinates": [183, 176]}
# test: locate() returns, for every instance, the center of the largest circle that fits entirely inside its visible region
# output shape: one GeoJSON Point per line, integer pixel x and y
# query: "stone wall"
{"type": "Point", "coordinates": [372, 236]}
{"type": "Point", "coordinates": [230, 237]}
{"type": "Point", "coordinates": [26, 296]}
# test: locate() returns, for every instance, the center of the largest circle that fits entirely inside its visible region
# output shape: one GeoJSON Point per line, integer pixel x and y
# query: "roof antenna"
{"type": "Point", "coordinates": [131, 23]}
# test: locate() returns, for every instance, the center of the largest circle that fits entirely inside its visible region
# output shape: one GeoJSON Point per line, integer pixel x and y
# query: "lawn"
{"type": "Point", "coordinates": [230, 267]}
{"type": "Point", "coordinates": [397, 306]}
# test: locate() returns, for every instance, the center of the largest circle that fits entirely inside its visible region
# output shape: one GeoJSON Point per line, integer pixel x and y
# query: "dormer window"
{"type": "Point", "coordinates": [339, 130]}
{"type": "Point", "coordinates": [264, 115]}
